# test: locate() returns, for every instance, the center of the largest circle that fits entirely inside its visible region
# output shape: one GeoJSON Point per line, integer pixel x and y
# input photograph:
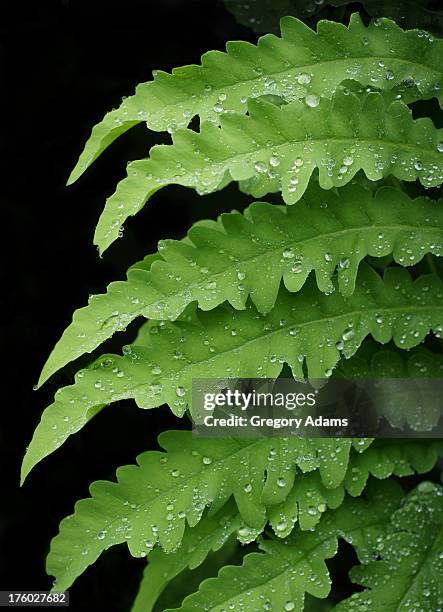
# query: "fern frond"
{"type": "Point", "coordinates": [192, 474]}
{"type": "Point", "coordinates": [408, 574]}
{"type": "Point", "coordinates": [248, 255]}
{"type": "Point", "coordinates": [310, 498]}
{"type": "Point", "coordinates": [280, 576]}
{"type": "Point", "coordinates": [300, 63]}
{"type": "Point", "coordinates": [279, 147]}
{"type": "Point", "coordinates": [210, 534]}
{"type": "Point", "coordinates": [307, 326]}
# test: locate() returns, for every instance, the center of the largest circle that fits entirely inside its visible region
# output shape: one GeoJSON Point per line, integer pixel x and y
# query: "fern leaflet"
{"type": "Point", "coordinates": [300, 63]}
{"type": "Point", "coordinates": [280, 576]}
{"type": "Point", "coordinates": [227, 260]}
{"type": "Point", "coordinates": [192, 474]}
{"type": "Point", "coordinates": [277, 148]}
{"type": "Point", "coordinates": [307, 326]}
{"type": "Point", "coordinates": [408, 574]}
{"type": "Point", "coordinates": [309, 497]}
{"type": "Point", "coordinates": [210, 534]}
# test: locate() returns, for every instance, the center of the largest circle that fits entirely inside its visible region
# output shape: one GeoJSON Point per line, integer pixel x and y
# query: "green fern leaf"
{"type": "Point", "coordinates": [280, 576]}
{"type": "Point", "coordinates": [210, 534]}
{"type": "Point", "coordinates": [306, 326]}
{"type": "Point", "coordinates": [194, 473]}
{"type": "Point", "coordinates": [300, 63]}
{"type": "Point", "coordinates": [191, 475]}
{"type": "Point", "coordinates": [188, 581]}
{"type": "Point", "coordinates": [309, 497]}
{"type": "Point", "coordinates": [408, 575]}
{"type": "Point", "coordinates": [278, 148]}
{"type": "Point", "coordinates": [242, 256]}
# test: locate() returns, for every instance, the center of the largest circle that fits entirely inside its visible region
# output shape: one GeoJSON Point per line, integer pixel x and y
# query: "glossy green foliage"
{"type": "Point", "coordinates": [321, 117]}
{"type": "Point", "coordinates": [212, 533]}
{"type": "Point", "coordinates": [151, 502]}
{"type": "Point", "coordinates": [293, 66]}
{"type": "Point", "coordinates": [308, 328]}
{"type": "Point", "coordinates": [277, 148]}
{"type": "Point", "coordinates": [309, 498]}
{"type": "Point", "coordinates": [226, 260]}
{"type": "Point", "coordinates": [406, 574]}
{"type": "Point", "coordinates": [283, 572]}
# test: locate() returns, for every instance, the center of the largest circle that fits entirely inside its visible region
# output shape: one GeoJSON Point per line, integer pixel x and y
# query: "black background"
{"type": "Point", "coordinates": [64, 64]}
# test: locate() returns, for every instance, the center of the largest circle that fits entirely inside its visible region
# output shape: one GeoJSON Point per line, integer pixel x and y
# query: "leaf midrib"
{"type": "Point", "coordinates": [358, 312]}
{"type": "Point", "coordinates": [225, 164]}
{"type": "Point", "coordinates": [271, 252]}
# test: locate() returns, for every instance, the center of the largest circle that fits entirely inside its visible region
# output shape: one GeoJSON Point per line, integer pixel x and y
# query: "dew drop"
{"type": "Point", "coordinates": [274, 161]}
{"type": "Point", "coordinates": [288, 253]}
{"type": "Point", "coordinates": [260, 167]}
{"type": "Point", "coordinates": [243, 532]}
{"type": "Point", "coordinates": [312, 100]}
{"type": "Point", "coordinates": [304, 79]}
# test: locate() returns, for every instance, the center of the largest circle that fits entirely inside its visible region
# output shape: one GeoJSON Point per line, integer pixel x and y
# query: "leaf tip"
{"type": "Point", "coordinates": [24, 471]}
{"type": "Point", "coordinates": [75, 174]}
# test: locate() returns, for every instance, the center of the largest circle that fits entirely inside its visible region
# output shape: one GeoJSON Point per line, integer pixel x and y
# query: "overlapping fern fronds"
{"type": "Point", "coordinates": [277, 148]}
{"type": "Point", "coordinates": [222, 261]}
{"type": "Point", "coordinates": [317, 116]}
{"type": "Point", "coordinates": [152, 502]}
{"type": "Point", "coordinates": [307, 327]}
{"type": "Point", "coordinates": [300, 63]}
